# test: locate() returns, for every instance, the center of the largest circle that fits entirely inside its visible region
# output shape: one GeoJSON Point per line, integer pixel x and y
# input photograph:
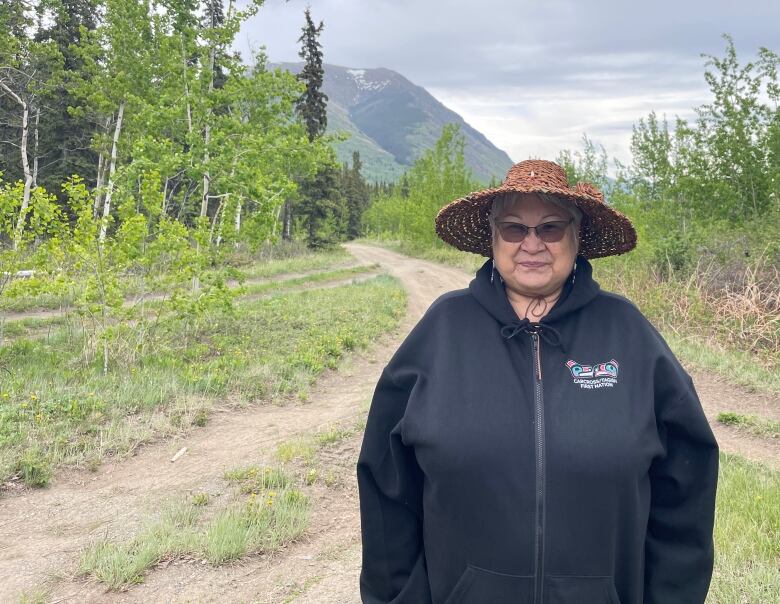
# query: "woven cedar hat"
{"type": "Point", "coordinates": [464, 223]}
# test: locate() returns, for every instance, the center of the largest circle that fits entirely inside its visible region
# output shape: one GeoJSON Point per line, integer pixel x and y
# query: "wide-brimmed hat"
{"type": "Point", "coordinates": [604, 231]}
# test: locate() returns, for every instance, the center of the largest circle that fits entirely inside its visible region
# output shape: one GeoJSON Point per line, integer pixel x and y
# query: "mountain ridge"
{"type": "Point", "coordinates": [392, 121]}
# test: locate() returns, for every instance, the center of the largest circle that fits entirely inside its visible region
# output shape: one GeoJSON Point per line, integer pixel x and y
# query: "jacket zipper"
{"type": "Point", "coordinates": [540, 486]}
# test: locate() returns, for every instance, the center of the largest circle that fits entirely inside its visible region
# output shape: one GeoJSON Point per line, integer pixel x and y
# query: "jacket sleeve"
{"type": "Point", "coordinates": [390, 486]}
{"type": "Point", "coordinates": [683, 480]}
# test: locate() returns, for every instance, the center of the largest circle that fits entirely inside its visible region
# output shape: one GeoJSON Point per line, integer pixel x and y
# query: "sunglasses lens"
{"type": "Point", "coordinates": [550, 232]}
{"type": "Point", "coordinates": [513, 232]}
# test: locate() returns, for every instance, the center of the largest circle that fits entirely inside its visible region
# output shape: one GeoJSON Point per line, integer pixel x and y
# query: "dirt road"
{"type": "Point", "coordinates": [43, 532]}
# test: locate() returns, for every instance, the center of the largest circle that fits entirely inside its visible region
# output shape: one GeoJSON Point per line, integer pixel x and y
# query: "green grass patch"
{"type": "Point", "coordinates": [200, 499]}
{"type": "Point", "coordinates": [735, 366]}
{"type": "Point", "coordinates": [32, 326]}
{"type": "Point", "coordinates": [261, 522]}
{"type": "Point", "coordinates": [253, 479]}
{"type": "Point", "coordinates": [333, 435]}
{"type": "Point", "coordinates": [747, 534]}
{"type": "Point", "coordinates": [299, 449]}
{"type": "Point", "coordinates": [297, 264]}
{"type": "Point", "coordinates": [270, 349]}
{"type": "Point", "coordinates": [312, 279]}
{"type": "Point", "coordinates": [751, 423]}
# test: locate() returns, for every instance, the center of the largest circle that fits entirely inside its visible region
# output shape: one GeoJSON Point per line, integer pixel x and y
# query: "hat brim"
{"type": "Point", "coordinates": [604, 231]}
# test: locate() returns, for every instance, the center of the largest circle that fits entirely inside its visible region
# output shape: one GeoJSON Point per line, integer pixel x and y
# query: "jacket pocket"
{"type": "Point", "coordinates": [581, 590]}
{"type": "Point", "coordinates": [480, 586]}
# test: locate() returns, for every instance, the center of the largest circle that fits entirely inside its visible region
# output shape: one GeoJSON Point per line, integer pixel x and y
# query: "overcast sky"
{"type": "Point", "coordinates": [533, 76]}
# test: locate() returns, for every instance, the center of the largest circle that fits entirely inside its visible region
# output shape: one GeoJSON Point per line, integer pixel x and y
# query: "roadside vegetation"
{"type": "Point", "coordinates": [262, 508]}
{"type": "Point", "coordinates": [58, 406]}
{"type": "Point", "coordinates": [752, 424]}
{"type": "Point", "coordinates": [747, 533]}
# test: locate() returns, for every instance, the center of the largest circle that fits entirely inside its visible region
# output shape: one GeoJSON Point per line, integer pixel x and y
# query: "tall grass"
{"type": "Point", "coordinates": [264, 521]}
{"type": "Point", "coordinates": [54, 409]}
{"type": "Point", "coordinates": [747, 534]}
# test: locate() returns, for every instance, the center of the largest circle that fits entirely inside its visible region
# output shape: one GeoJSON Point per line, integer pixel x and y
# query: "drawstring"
{"type": "Point", "coordinates": [549, 334]}
{"type": "Point", "coordinates": [511, 330]}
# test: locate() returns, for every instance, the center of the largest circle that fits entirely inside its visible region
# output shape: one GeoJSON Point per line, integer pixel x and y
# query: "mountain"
{"type": "Point", "coordinates": [391, 122]}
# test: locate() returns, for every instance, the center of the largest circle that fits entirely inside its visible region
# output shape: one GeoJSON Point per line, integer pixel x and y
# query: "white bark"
{"type": "Point", "coordinates": [28, 177]}
{"type": "Point", "coordinates": [186, 86]}
{"type": "Point", "coordinates": [204, 204]}
{"type": "Point", "coordinates": [238, 215]}
{"type": "Point", "coordinates": [35, 148]}
{"type": "Point", "coordinates": [101, 173]}
{"type": "Point", "coordinates": [111, 172]}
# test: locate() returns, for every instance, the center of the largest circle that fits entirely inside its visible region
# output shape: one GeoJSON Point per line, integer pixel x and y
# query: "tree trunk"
{"type": "Point", "coordinates": [111, 172]}
{"type": "Point", "coordinates": [28, 177]}
{"type": "Point", "coordinates": [35, 149]}
{"type": "Point", "coordinates": [238, 216]}
{"type": "Point", "coordinates": [101, 173]}
{"type": "Point", "coordinates": [204, 204]}
{"type": "Point", "coordinates": [186, 86]}
{"type": "Point", "coordinates": [287, 221]}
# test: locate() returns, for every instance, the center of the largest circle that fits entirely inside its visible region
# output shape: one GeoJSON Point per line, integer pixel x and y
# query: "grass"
{"type": "Point", "coordinates": [268, 350]}
{"type": "Point", "coordinates": [262, 522]}
{"type": "Point", "coordinates": [736, 366]}
{"type": "Point", "coordinates": [753, 424]}
{"type": "Point", "coordinates": [31, 326]}
{"type": "Point", "coordinates": [298, 449]}
{"type": "Point", "coordinates": [301, 263]}
{"type": "Point", "coordinates": [747, 534]}
{"type": "Point", "coordinates": [334, 434]}
{"type": "Point", "coordinates": [315, 278]}
{"type": "Point", "coordinates": [266, 510]}
{"type": "Point", "coordinates": [200, 499]}
{"type": "Point", "coordinates": [253, 479]}
{"type": "Point", "coordinates": [16, 297]}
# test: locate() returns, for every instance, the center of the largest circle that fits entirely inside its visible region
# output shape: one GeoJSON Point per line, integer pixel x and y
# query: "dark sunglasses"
{"type": "Point", "coordinates": [549, 232]}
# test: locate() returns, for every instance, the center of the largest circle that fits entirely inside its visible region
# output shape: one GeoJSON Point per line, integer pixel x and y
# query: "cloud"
{"type": "Point", "coordinates": [533, 76]}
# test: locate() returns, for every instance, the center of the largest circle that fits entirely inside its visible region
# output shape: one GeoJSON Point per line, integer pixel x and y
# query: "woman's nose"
{"type": "Point", "coordinates": [531, 242]}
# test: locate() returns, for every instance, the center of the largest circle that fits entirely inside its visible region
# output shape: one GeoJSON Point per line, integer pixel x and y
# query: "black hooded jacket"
{"type": "Point", "coordinates": [564, 462]}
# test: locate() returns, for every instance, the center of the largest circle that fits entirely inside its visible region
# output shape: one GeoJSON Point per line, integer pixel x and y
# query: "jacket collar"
{"type": "Point", "coordinates": [579, 290]}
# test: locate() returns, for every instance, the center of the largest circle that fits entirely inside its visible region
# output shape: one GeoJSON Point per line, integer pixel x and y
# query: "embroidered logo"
{"type": "Point", "coordinates": [598, 375]}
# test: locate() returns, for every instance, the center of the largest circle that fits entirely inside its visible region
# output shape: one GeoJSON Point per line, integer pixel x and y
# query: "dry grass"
{"type": "Point", "coordinates": [736, 307]}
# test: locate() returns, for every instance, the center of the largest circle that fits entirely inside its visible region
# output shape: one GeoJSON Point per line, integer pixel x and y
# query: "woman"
{"type": "Point", "coordinates": [534, 440]}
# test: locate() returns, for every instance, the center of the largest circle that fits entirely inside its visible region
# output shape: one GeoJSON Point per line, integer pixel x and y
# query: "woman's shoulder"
{"type": "Point", "coordinates": [631, 320]}
{"type": "Point", "coordinates": [617, 303]}
{"type": "Point", "coordinates": [450, 300]}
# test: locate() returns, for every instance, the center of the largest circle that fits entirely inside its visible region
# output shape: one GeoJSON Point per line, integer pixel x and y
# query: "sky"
{"type": "Point", "coordinates": [533, 75]}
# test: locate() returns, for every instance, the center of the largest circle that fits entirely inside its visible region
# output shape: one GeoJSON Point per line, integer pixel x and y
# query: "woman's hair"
{"type": "Point", "coordinates": [503, 201]}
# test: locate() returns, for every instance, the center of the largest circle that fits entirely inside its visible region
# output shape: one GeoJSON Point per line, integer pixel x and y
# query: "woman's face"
{"type": "Point", "coordinates": [532, 267]}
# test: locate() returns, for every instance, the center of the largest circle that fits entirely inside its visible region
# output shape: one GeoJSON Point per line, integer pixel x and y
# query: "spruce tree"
{"type": "Point", "coordinates": [356, 195]}
{"type": "Point", "coordinates": [321, 202]}
{"type": "Point", "coordinates": [311, 107]}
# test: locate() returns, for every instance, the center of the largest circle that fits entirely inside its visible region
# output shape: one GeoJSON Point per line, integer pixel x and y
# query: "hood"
{"type": "Point", "coordinates": [577, 292]}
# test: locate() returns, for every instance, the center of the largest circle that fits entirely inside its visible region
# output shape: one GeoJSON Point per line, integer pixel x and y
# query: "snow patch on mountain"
{"type": "Point", "coordinates": [359, 75]}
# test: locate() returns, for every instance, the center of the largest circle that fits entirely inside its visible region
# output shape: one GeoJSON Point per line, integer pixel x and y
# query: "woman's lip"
{"type": "Point", "coordinates": [532, 264]}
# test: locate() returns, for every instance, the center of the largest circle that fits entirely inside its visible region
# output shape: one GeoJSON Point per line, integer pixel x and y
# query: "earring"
{"type": "Point", "coordinates": [493, 262]}
{"type": "Point", "coordinates": [574, 273]}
